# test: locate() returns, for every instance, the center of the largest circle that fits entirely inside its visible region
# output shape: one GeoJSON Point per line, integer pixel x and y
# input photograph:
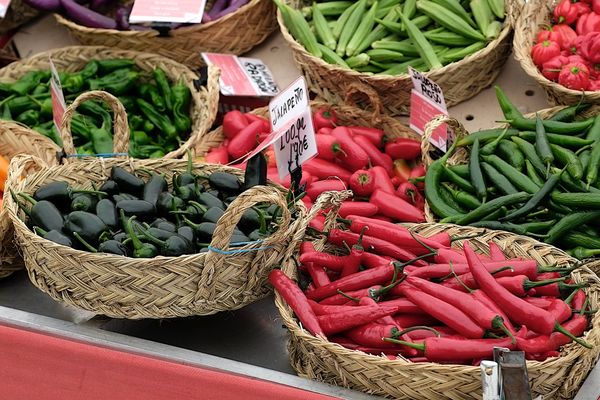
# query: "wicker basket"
{"type": "Point", "coordinates": [17, 139]}
{"type": "Point", "coordinates": [203, 109]}
{"type": "Point", "coordinates": [160, 287]}
{"type": "Point", "coordinates": [18, 13]}
{"type": "Point", "coordinates": [348, 114]}
{"type": "Point", "coordinates": [321, 360]}
{"type": "Point", "coordinates": [235, 33]}
{"type": "Point", "coordinates": [459, 81]}
{"type": "Point", "coordinates": [535, 14]}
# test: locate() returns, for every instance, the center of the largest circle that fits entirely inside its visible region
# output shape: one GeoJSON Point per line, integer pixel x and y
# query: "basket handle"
{"type": "Point", "coordinates": [120, 124]}
{"type": "Point", "coordinates": [431, 126]}
{"type": "Point", "coordinates": [219, 245]}
{"type": "Point", "coordinates": [19, 164]}
{"type": "Point", "coordinates": [358, 89]}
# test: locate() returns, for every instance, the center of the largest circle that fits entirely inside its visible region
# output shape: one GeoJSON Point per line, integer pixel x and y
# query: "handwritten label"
{"type": "Point", "coordinates": [184, 11]}
{"type": "Point", "coordinates": [58, 99]}
{"type": "Point", "coordinates": [427, 101]}
{"type": "Point", "coordinates": [291, 119]}
{"type": "Point", "coordinates": [4, 4]}
{"type": "Point", "coordinates": [242, 76]}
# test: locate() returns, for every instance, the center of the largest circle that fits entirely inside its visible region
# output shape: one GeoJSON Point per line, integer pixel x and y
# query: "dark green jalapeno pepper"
{"type": "Point", "coordinates": [127, 182]}
{"type": "Point", "coordinates": [140, 249]}
{"type": "Point", "coordinates": [110, 187]}
{"type": "Point", "coordinates": [166, 202]}
{"type": "Point", "coordinates": [193, 211]}
{"type": "Point", "coordinates": [118, 82]}
{"type": "Point", "coordinates": [187, 232]}
{"type": "Point", "coordinates": [205, 230]}
{"type": "Point", "coordinates": [252, 219]}
{"type": "Point", "coordinates": [107, 212]}
{"type": "Point", "coordinates": [225, 182]}
{"type": "Point", "coordinates": [123, 196]}
{"type": "Point", "coordinates": [60, 192]}
{"type": "Point", "coordinates": [140, 208]}
{"type": "Point", "coordinates": [163, 87]}
{"type": "Point", "coordinates": [159, 120]}
{"type": "Point", "coordinates": [113, 247]}
{"type": "Point", "coordinates": [159, 234]}
{"type": "Point", "coordinates": [256, 171]}
{"type": "Point", "coordinates": [255, 235]}
{"type": "Point", "coordinates": [89, 226]}
{"type": "Point", "coordinates": [213, 214]}
{"type": "Point", "coordinates": [164, 224]}
{"type": "Point", "coordinates": [120, 237]}
{"type": "Point", "coordinates": [173, 246]}
{"type": "Point", "coordinates": [209, 200]}
{"type": "Point", "coordinates": [84, 202]}
{"type": "Point", "coordinates": [54, 236]}
{"type": "Point", "coordinates": [153, 188]}
{"type": "Point", "coordinates": [186, 177]}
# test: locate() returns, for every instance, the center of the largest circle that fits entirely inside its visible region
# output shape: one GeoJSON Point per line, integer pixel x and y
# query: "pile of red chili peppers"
{"type": "Point", "coordinates": [385, 290]}
{"type": "Point", "coordinates": [374, 166]}
{"type": "Point", "coordinates": [568, 52]}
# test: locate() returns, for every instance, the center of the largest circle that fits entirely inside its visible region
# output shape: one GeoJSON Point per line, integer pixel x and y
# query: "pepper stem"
{"type": "Point", "coordinates": [533, 284]}
{"type": "Point", "coordinates": [459, 280]}
{"type": "Point", "coordinates": [554, 268]}
{"type": "Point", "coordinates": [399, 333]}
{"type": "Point", "coordinates": [418, 346]}
{"type": "Point", "coordinates": [39, 231]}
{"type": "Point", "coordinates": [570, 297]}
{"type": "Point", "coordinates": [559, 328]}
{"type": "Point", "coordinates": [467, 237]}
{"type": "Point", "coordinates": [501, 269]}
{"type": "Point", "coordinates": [262, 221]}
{"type": "Point", "coordinates": [358, 245]}
{"type": "Point", "coordinates": [348, 296]}
{"type": "Point", "coordinates": [28, 198]}
{"type": "Point", "coordinates": [431, 249]}
{"type": "Point", "coordinates": [498, 323]}
{"type": "Point", "coordinates": [343, 221]}
{"type": "Point", "coordinates": [190, 163]}
{"type": "Point", "coordinates": [84, 243]}
{"type": "Point", "coordinates": [396, 264]}
{"type": "Point", "coordinates": [137, 243]}
{"type": "Point", "coordinates": [20, 204]}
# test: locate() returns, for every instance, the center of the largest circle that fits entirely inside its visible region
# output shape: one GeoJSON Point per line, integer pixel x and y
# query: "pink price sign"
{"type": "Point", "coordinates": [4, 4]}
{"type": "Point", "coordinates": [184, 11]}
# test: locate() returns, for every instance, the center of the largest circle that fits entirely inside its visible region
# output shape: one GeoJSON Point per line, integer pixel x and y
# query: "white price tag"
{"type": "Point", "coordinates": [291, 121]}
{"type": "Point", "coordinates": [182, 11]}
{"type": "Point", "coordinates": [4, 4]}
{"type": "Point", "coordinates": [58, 99]}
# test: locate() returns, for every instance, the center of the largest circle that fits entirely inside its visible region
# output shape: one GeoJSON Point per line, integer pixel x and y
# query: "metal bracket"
{"type": "Point", "coordinates": [513, 378]}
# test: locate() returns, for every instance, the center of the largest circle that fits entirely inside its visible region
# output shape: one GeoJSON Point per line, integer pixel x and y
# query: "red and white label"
{"type": "Point", "coordinates": [58, 99]}
{"type": "Point", "coordinates": [183, 11]}
{"type": "Point", "coordinates": [4, 4]}
{"type": "Point", "coordinates": [242, 76]}
{"type": "Point", "coordinates": [427, 101]}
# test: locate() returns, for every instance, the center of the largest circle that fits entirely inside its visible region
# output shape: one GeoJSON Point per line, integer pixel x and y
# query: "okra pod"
{"type": "Point", "coordinates": [322, 29]}
{"type": "Point", "coordinates": [423, 46]}
{"type": "Point", "coordinates": [365, 26]}
{"type": "Point", "coordinates": [448, 19]}
{"type": "Point", "coordinates": [350, 27]}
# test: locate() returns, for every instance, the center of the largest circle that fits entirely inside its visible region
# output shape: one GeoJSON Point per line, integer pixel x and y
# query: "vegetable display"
{"type": "Point", "coordinates": [115, 15]}
{"type": "Point", "coordinates": [540, 178]}
{"type": "Point", "coordinates": [379, 168]}
{"type": "Point", "coordinates": [429, 301]}
{"type": "Point", "coordinates": [388, 36]}
{"type": "Point", "coordinates": [139, 218]}
{"type": "Point", "coordinates": [157, 110]}
{"type": "Point", "coordinates": [568, 51]}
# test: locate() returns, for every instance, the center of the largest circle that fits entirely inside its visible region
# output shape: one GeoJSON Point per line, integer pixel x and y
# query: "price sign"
{"type": "Point", "coordinates": [427, 101]}
{"type": "Point", "coordinates": [183, 11]}
{"type": "Point", "coordinates": [242, 76]}
{"type": "Point", "coordinates": [58, 99]}
{"type": "Point", "coordinates": [4, 4]}
{"type": "Point", "coordinates": [291, 121]}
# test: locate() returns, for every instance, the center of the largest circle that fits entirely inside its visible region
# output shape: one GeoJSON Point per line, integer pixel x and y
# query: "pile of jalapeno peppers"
{"type": "Point", "coordinates": [157, 109]}
{"type": "Point", "coordinates": [538, 177]}
{"type": "Point", "coordinates": [399, 294]}
{"type": "Point", "coordinates": [142, 219]}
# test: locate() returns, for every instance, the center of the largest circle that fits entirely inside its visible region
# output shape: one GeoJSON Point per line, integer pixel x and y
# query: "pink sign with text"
{"type": "Point", "coordinates": [184, 11]}
{"type": "Point", "coordinates": [4, 4]}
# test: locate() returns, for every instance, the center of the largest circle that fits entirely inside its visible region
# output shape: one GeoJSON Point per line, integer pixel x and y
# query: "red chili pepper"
{"type": "Point", "coordinates": [372, 335]}
{"type": "Point", "coordinates": [326, 260]}
{"type": "Point", "coordinates": [234, 122]}
{"type": "Point", "coordinates": [341, 322]}
{"type": "Point", "coordinates": [362, 182]}
{"type": "Point", "coordinates": [378, 246]}
{"type": "Point", "coordinates": [401, 170]}
{"type": "Point", "coordinates": [489, 303]}
{"type": "Point", "coordinates": [360, 280]}
{"type": "Point", "coordinates": [551, 68]}
{"type": "Point", "coordinates": [217, 155]}
{"type": "Point", "coordinates": [266, 125]}
{"type": "Point", "coordinates": [409, 193]}
{"type": "Point", "coordinates": [542, 356]}
{"type": "Point", "coordinates": [560, 310]}
{"type": "Point", "coordinates": [382, 218]}
{"type": "Point", "coordinates": [353, 259]}
{"type": "Point", "coordinates": [556, 289]}
{"type": "Point", "coordinates": [403, 148]}
{"type": "Point", "coordinates": [307, 202]}
{"type": "Point", "coordinates": [298, 302]}
{"type": "Point", "coordinates": [418, 172]}
{"type": "Point", "coordinates": [382, 179]}
{"type": "Point", "coordinates": [245, 140]}
{"type": "Point", "coordinates": [541, 302]}
{"type": "Point", "coordinates": [324, 169]}
{"type": "Point", "coordinates": [496, 253]}
{"type": "Point", "coordinates": [396, 208]}
{"type": "Point", "coordinates": [596, 6]}
{"type": "Point", "coordinates": [405, 306]}
{"type": "Point", "coordinates": [396, 181]}
{"type": "Point", "coordinates": [353, 157]}
{"type": "Point", "coordinates": [324, 118]}
{"type": "Point", "coordinates": [443, 311]}
{"type": "Point", "coordinates": [352, 345]}
{"type": "Point", "coordinates": [357, 208]}
{"type": "Point", "coordinates": [541, 344]}
{"type": "Point", "coordinates": [433, 271]}
{"type": "Point", "coordinates": [370, 260]}
{"type": "Point", "coordinates": [548, 275]}
{"type": "Point", "coordinates": [578, 300]}
{"type": "Point", "coordinates": [421, 334]}
{"type": "Point", "coordinates": [369, 301]}
{"type": "Point", "coordinates": [376, 157]}
{"type": "Point", "coordinates": [581, 8]}
{"type": "Point", "coordinates": [446, 256]}
{"type": "Point", "coordinates": [374, 135]}
{"type": "Point", "coordinates": [318, 275]}
{"type": "Point", "coordinates": [328, 147]}
{"type": "Point", "coordinates": [316, 188]}
{"type": "Point", "coordinates": [520, 285]}
{"type": "Point", "coordinates": [322, 309]}
{"type": "Point", "coordinates": [588, 23]}
{"type": "Point", "coordinates": [410, 320]}
{"type": "Point", "coordinates": [544, 51]}
{"type": "Point", "coordinates": [574, 76]}
{"type": "Point", "coordinates": [565, 13]}
{"type": "Point", "coordinates": [443, 238]}
{"type": "Point", "coordinates": [307, 247]}
{"type": "Point", "coordinates": [324, 131]}
{"type": "Point", "coordinates": [343, 297]}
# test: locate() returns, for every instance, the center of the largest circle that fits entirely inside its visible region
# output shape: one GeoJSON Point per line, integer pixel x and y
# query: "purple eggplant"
{"type": "Point", "coordinates": [44, 5]}
{"type": "Point", "coordinates": [218, 6]}
{"type": "Point", "coordinates": [233, 6]}
{"type": "Point", "coordinates": [101, 6]}
{"type": "Point", "coordinates": [84, 16]}
{"type": "Point", "coordinates": [122, 17]}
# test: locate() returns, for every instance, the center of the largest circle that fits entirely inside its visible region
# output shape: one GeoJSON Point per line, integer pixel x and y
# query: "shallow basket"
{"type": "Point", "coordinates": [161, 287]}
{"type": "Point", "coordinates": [235, 33]}
{"type": "Point", "coordinates": [18, 13]}
{"type": "Point", "coordinates": [205, 99]}
{"type": "Point", "coordinates": [17, 139]}
{"type": "Point", "coordinates": [460, 80]}
{"type": "Point", "coordinates": [349, 114]}
{"type": "Point", "coordinates": [321, 360]}
{"type": "Point", "coordinates": [535, 14]}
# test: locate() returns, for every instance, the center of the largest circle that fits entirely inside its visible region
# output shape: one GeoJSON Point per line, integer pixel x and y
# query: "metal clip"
{"type": "Point", "coordinates": [489, 380]}
{"type": "Point", "coordinates": [513, 377]}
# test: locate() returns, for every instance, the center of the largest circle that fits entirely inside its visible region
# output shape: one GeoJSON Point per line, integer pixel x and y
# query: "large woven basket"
{"type": "Point", "coordinates": [556, 378]}
{"type": "Point", "coordinates": [160, 287]}
{"type": "Point", "coordinates": [17, 139]}
{"type": "Point", "coordinates": [535, 14]}
{"type": "Point", "coordinates": [235, 33]}
{"type": "Point", "coordinates": [18, 13]}
{"type": "Point", "coordinates": [204, 104]}
{"type": "Point", "coordinates": [459, 81]}
{"type": "Point", "coordinates": [349, 114]}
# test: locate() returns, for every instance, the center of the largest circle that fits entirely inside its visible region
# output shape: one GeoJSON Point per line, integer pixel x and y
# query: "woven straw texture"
{"type": "Point", "coordinates": [535, 14]}
{"type": "Point", "coordinates": [235, 33]}
{"type": "Point", "coordinates": [18, 13]}
{"type": "Point", "coordinates": [160, 287]}
{"type": "Point", "coordinates": [203, 109]}
{"type": "Point", "coordinates": [459, 81]}
{"type": "Point", "coordinates": [556, 378]}
{"type": "Point", "coordinates": [17, 139]}
{"type": "Point", "coordinates": [348, 114]}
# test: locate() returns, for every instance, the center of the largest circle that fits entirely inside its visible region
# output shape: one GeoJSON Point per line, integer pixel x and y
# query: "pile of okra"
{"type": "Point", "coordinates": [536, 177]}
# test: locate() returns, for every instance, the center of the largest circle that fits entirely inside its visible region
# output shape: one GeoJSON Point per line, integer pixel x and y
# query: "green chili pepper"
{"type": "Point", "coordinates": [93, 108]}
{"type": "Point", "coordinates": [509, 151]}
{"type": "Point", "coordinates": [475, 172]}
{"type": "Point", "coordinates": [181, 96]}
{"type": "Point", "coordinates": [29, 82]}
{"type": "Point", "coordinates": [73, 83]}
{"type": "Point", "coordinates": [6, 114]}
{"type": "Point", "coordinates": [530, 153]}
{"type": "Point", "coordinates": [463, 198]}
{"type": "Point", "coordinates": [90, 70]}
{"type": "Point", "coordinates": [140, 249]}
{"type": "Point", "coordinates": [462, 183]}
{"type": "Point", "coordinates": [159, 120]}
{"type": "Point", "coordinates": [561, 140]}
{"type": "Point", "coordinates": [532, 174]}
{"type": "Point", "coordinates": [129, 104]}
{"type": "Point", "coordinates": [487, 135]}
{"type": "Point", "coordinates": [594, 132]}
{"type": "Point", "coordinates": [29, 117]}
{"type": "Point", "coordinates": [163, 87]}
{"type": "Point", "coordinates": [433, 185]}
{"type": "Point", "coordinates": [568, 223]}
{"type": "Point", "coordinates": [150, 92]}
{"type": "Point", "coordinates": [541, 143]}
{"type": "Point", "coordinates": [569, 159]}
{"type": "Point", "coordinates": [517, 178]}
{"type": "Point", "coordinates": [110, 65]}
{"type": "Point", "coordinates": [492, 205]}
{"type": "Point", "coordinates": [118, 82]}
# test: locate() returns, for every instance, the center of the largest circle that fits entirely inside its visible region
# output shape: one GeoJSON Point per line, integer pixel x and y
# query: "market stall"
{"type": "Point", "coordinates": [268, 243]}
